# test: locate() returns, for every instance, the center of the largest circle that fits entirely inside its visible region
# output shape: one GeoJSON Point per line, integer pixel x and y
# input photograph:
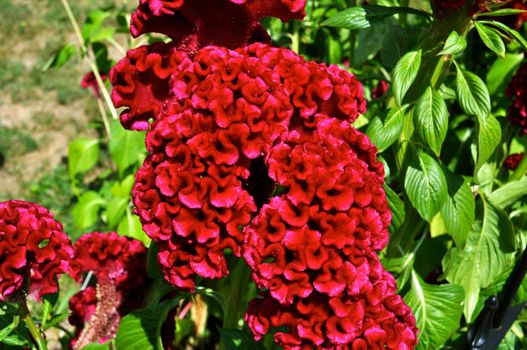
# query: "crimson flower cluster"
{"type": "Point", "coordinates": [251, 150]}
{"type": "Point", "coordinates": [513, 161]}
{"type": "Point", "coordinates": [517, 93]}
{"type": "Point", "coordinates": [34, 250]}
{"type": "Point", "coordinates": [196, 24]}
{"type": "Point", "coordinates": [119, 266]}
{"type": "Point", "coordinates": [89, 82]}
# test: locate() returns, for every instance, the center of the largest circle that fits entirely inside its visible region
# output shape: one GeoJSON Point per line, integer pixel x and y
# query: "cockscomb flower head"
{"type": "Point", "coordinates": [119, 266]}
{"type": "Point", "coordinates": [195, 24]}
{"type": "Point", "coordinates": [89, 82]}
{"type": "Point", "coordinates": [374, 317]}
{"type": "Point", "coordinates": [34, 250]}
{"type": "Point", "coordinates": [513, 161]}
{"type": "Point", "coordinates": [215, 122]}
{"type": "Point", "coordinates": [517, 93]}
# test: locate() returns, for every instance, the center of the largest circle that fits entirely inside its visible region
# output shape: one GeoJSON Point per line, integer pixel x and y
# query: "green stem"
{"type": "Point", "coordinates": [92, 62]}
{"type": "Point", "coordinates": [33, 329]}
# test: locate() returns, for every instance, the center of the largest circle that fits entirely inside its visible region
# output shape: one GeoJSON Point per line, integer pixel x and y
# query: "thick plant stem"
{"type": "Point", "coordinates": [33, 329]}
{"type": "Point", "coordinates": [91, 59]}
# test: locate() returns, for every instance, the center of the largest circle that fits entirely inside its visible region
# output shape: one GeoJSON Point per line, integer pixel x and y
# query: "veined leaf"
{"type": "Point", "coordinates": [383, 133]}
{"type": "Point", "coordinates": [437, 310]}
{"type": "Point", "coordinates": [489, 137]}
{"type": "Point", "coordinates": [425, 184]}
{"type": "Point", "coordinates": [404, 74]}
{"type": "Point", "coordinates": [491, 38]}
{"type": "Point", "coordinates": [361, 17]}
{"type": "Point", "coordinates": [431, 119]}
{"type": "Point", "coordinates": [513, 34]}
{"type": "Point", "coordinates": [396, 207]}
{"type": "Point", "coordinates": [126, 147]}
{"type": "Point", "coordinates": [458, 211]}
{"type": "Point", "coordinates": [472, 93]}
{"type": "Point", "coordinates": [454, 44]}
{"type": "Point", "coordinates": [509, 193]}
{"type": "Point", "coordinates": [501, 12]}
{"type": "Point", "coordinates": [85, 212]}
{"type": "Point", "coordinates": [487, 253]}
{"type": "Point", "coordinates": [140, 330]}
{"type": "Point", "coordinates": [83, 154]}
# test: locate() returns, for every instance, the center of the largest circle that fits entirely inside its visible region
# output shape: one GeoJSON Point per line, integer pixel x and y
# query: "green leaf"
{"type": "Point", "coordinates": [96, 346]}
{"type": "Point", "coordinates": [509, 193]}
{"type": "Point", "coordinates": [511, 33]}
{"type": "Point", "coordinates": [237, 339]}
{"type": "Point", "coordinates": [501, 12]}
{"type": "Point", "coordinates": [404, 74]}
{"type": "Point", "coordinates": [454, 44]}
{"type": "Point", "coordinates": [126, 147]}
{"type": "Point", "coordinates": [491, 38]}
{"type": "Point", "coordinates": [396, 207]}
{"type": "Point", "coordinates": [65, 53]}
{"type": "Point", "coordinates": [384, 132]}
{"type": "Point", "coordinates": [361, 17]}
{"type": "Point", "coordinates": [93, 24]}
{"type": "Point", "coordinates": [458, 211]}
{"type": "Point", "coordinates": [437, 310]}
{"type": "Point", "coordinates": [83, 154]}
{"type": "Point", "coordinates": [501, 72]}
{"type": "Point", "coordinates": [489, 137]}
{"type": "Point", "coordinates": [140, 330]}
{"type": "Point", "coordinates": [425, 184]}
{"type": "Point", "coordinates": [472, 93]}
{"type": "Point", "coordinates": [131, 226]}
{"type": "Point", "coordinates": [487, 253]}
{"type": "Point", "coordinates": [115, 211]}
{"type": "Point", "coordinates": [86, 211]}
{"type": "Point", "coordinates": [431, 119]}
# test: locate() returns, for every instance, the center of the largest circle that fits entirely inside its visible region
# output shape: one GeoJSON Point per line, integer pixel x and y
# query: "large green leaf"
{"type": "Point", "coordinates": [458, 211]}
{"type": "Point", "coordinates": [509, 193]}
{"type": "Point", "coordinates": [140, 330]}
{"type": "Point", "coordinates": [83, 154]}
{"type": "Point", "coordinates": [487, 253]}
{"type": "Point", "coordinates": [126, 147]}
{"type": "Point", "coordinates": [472, 93]}
{"type": "Point", "coordinates": [131, 226]}
{"type": "Point", "coordinates": [404, 74]}
{"type": "Point", "coordinates": [425, 184]}
{"type": "Point", "coordinates": [361, 17]}
{"type": "Point", "coordinates": [454, 44]}
{"type": "Point", "coordinates": [437, 310]}
{"type": "Point", "coordinates": [491, 38]}
{"type": "Point", "coordinates": [501, 72]}
{"type": "Point", "coordinates": [85, 212]}
{"type": "Point", "coordinates": [489, 137]}
{"type": "Point", "coordinates": [384, 132]}
{"type": "Point", "coordinates": [431, 119]}
{"type": "Point", "coordinates": [396, 207]}
{"type": "Point", "coordinates": [511, 33]}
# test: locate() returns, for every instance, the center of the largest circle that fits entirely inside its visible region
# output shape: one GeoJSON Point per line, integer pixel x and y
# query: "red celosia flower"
{"type": "Point", "coordinates": [119, 265]}
{"type": "Point", "coordinates": [196, 24]}
{"type": "Point", "coordinates": [367, 316]}
{"type": "Point", "coordinates": [517, 92]}
{"type": "Point", "coordinates": [34, 250]}
{"type": "Point", "coordinates": [380, 89]}
{"type": "Point", "coordinates": [90, 82]}
{"type": "Point", "coordinates": [513, 161]}
{"type": "Point", "coordinates": [220, 115]}
{"type": "Point", "coordinates": [252, 150]}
